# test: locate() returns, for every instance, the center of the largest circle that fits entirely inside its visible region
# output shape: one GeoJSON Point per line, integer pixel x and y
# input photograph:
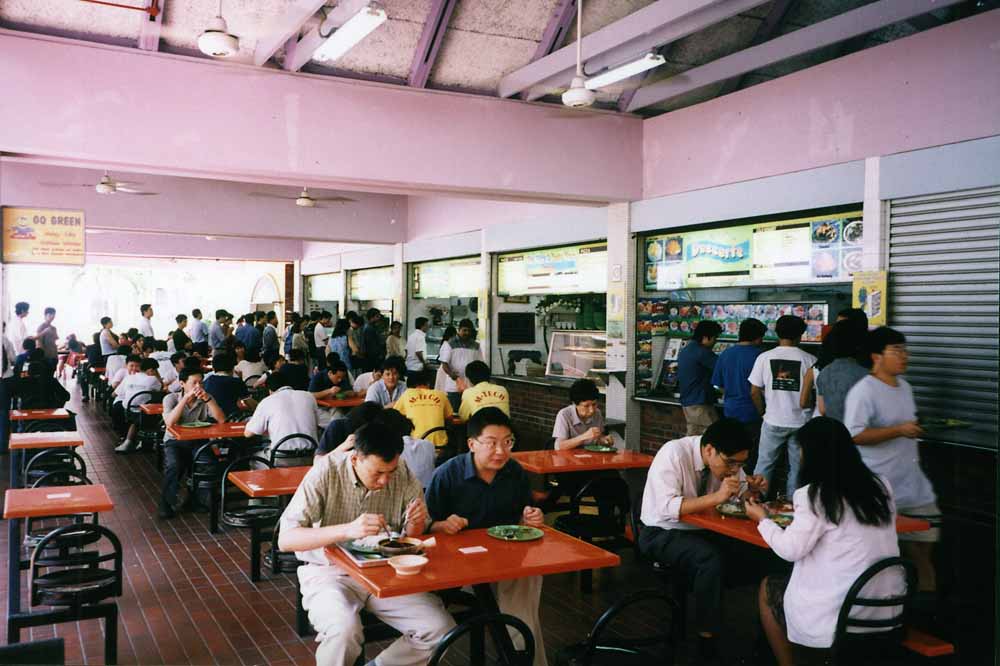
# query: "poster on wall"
{"type": "Point", "coordinates": [791, 251]}
{"type": "Point", "coordinates": [43, 236]}
{"type": "Point", "coordinates": [454, 278]}
{"type": "Point", "coordinates": [372, 284]}
{"type": "Point", "coordinates": [869, 292]}
{"type": "Point", "coordinates": [615, 320]}
{"type": "Point", "coordinates": [572, 269]}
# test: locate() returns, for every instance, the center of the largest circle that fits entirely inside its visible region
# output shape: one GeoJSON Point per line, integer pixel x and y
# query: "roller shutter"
{"type": "Point", "coordinates": [944, 284]}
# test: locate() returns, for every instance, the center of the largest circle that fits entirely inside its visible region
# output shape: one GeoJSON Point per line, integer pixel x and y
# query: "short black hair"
{"type": "Point", "coordinates": [420, 321]}
{"type": "Point", "coordinates": [224, 362]}
{"type": "Point", "coordinates": [252, 355]}
{"type": "Point", "coordinates": [485, 417]}
{"type": "Point", "coordinates": [181, 317]}
{"type": "Point", "coordinates": [331, 357]}
{"type": "Point", "coordinates": [133, 358]}
{"type": "Point", "coordinates": [422, 377]}
{"type": "Point", "coordinates": [372, 313]}
{"type": "Point", "coordinates": [751, 329]}
{"type": "Point", "coordinates": [845, 339]}
{"type": "Point", "coordinates": [239, 343]}
{"type": "Point", "coordinates": [193, 363]}
{"type": "Point", "coordinates": [882, 337]}
{"type": "Point", "coordinates": [790, 327]}
{"type": "Point", "coordinates": [466, 323]}
{"type": "Point", "coordinates": [122, 349]}
{"type": "Point", "coordinates": [378, 439]}
{"type": "Point", "coordinates": [477, 372]}
{"type": "Point", "coordinates": [394, 420]}
{"type": "Point", "coordinates": [275, 381]}
{"type": "Point", "coordinates": [394, 363]}
{"type": "Point", "coordinates": [50, 311]}
{"type": "Point", "coordinates": [149, 364]}
{"type": "Point", "coordinates": [29, 344]}
{"type": "Point", "coordinates": [196, 313]}
{"type": "Point", "coordinates": [706, 328]}
{"type": "Point", "coordinates": [21, 307]}
{"type": "Point", "coordinates": [583, 390]}
{"type": "Point", "coordinates": [364, 413]}
{"type": "Point", "coordinates": [336, 365]}
{"type": "Point", "coordinates": [326, 314]}
{"type": "Point", "coordinates": [148, 344]}
{"type": "Point", "coordinates": [296, 355]}
{"type": "Point", "coordinates": [857, 316]}
{"type": "Point", "coordinates": [187, 373]}
{"type": "Point", "coordinates": [105, 321]}
{"type": "Point", "coordinates": [177, 356]}
{"type": "Point", "coordinates": [728, 436]}
{"type": "Point", "coordinates": [221, 314]}
{"type": "Point", "coordinates": [144, 307]}
{"type": "Point", "coordinates": [260, 316]}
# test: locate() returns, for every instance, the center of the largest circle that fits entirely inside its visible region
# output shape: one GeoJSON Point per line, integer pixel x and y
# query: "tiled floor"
{"type": "Point", "coordinates": [188, 598]}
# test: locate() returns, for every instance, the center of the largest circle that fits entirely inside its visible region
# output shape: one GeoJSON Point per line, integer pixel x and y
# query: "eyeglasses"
{"type": "Point", "coordinates": [732, 464]}
{"type": "Point", "coordinates": [493, 444]}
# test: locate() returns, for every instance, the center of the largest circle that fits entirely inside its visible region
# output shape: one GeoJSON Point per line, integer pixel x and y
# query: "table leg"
{"type": "Point", "coordinates": [504, 645]}
{"type": "Point", "coordinates": [13, 575]}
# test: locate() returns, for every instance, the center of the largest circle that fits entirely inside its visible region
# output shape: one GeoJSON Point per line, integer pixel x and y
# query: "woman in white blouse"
{"type": "Point", "coordinates": [845, 521]}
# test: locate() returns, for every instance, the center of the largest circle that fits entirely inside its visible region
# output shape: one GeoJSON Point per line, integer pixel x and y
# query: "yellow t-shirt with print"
{"type": "Point", "coordinates": [482, 395]}
{"type": "Point", "coordinates": [427, 409]}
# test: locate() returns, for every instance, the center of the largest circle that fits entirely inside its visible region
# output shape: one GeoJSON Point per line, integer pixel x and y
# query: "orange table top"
{"type": "Point", "coordinates": [38, 414]}
{"type": "Point", "coordinates": [580, 460]}
{"type": "Point", "coordinates": [151, 408]}
{"type": "Point", "coordinates": [44, 440]}
{"type": "Point", "coordinates": [98, 371]}
{"type": "Point", "coordinates": [746, 530]}
{"type": "Point", "coordinates": [214, 431]}
{"type": "Point", "coordinates": [333, 403]}
{"type": "Point", "coordinates": [270, 482]}
{"type": "Point", "coordinates": [56, 501]}
{"type": "Point", "coordinates": [503, 560]}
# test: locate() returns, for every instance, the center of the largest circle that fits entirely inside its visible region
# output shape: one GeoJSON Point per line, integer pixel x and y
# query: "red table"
{"type": "Point", "coordinates": [214, 431]}
{"type": "Point", "coordinates": [270, 482]}
{"type": "Point", "coordinates": [746, 530]}
{"type": "Point", "coordinates": [152, 408]}
{"type": "Point", "coordinates": [44, 440]}
{"type": "Point", "coordinates": [333, 403]}
{"type": "Point", "coordinates": [580, 460]}
{"type": "Point", "coordinates": [38, 414]}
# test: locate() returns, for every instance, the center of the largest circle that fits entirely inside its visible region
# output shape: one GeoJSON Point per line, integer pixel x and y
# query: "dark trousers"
{"type": "Point", "coordinates": [5, 405]}
{"type": "Point", "coordinates": [200, 348]}
{"type": "Point", "coordinates": [118, 421]}
{"type": "Point", "coordinates": [455, 398]}
{"type": "Point", "coordinates": [707, 561]}
{"type": "Point", "coordinates": [177, 459]}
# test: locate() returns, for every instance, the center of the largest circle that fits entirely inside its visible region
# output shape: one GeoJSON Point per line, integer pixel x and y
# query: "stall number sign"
{"type": "Point", "coordinates": [42, 236]}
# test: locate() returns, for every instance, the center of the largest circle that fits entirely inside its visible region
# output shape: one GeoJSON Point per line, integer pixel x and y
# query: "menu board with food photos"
{"type": "Point", "coordinates": [789, 251]}
{"type": "Point", "coordinates": [571, 269]}
{"type": "Point", "coordinates": [676, 321]}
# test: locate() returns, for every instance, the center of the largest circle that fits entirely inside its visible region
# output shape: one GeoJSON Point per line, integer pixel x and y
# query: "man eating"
{"type": "Point", "coordinates": [349, 497]}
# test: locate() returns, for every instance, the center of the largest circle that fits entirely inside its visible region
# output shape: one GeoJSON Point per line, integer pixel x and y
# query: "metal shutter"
{"type": "Point", "coordinates": [944, 272]}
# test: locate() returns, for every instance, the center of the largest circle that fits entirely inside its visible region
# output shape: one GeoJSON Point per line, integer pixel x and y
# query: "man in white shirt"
{"type": "Point", "coordinates": [131, 366]}
{"type": "Point", "coordinates": [197, 330]}
{"type": "Point", "coordinates": [19, 327]}
{"type": "Point", "coordinates": [321, 336]}
{"type": "Point", "coordinates": [147, 379]}
{"type": "Point", "coordinates": [775, 387]}
{"type": "Point", "coordinates": [145, 325]}
{"type": "Point", "coordinates": [690, 475]}
{"type": "Point", "coordinates": [285, 412]}
{"type": "Point", "coordinates": [416, 348]}
{"type": "Point", "coordinates": [365, 380]}
{"type": "Point", "coordinates": [460, 351]}
{"type": "Point", "coordinates": [881, 415]}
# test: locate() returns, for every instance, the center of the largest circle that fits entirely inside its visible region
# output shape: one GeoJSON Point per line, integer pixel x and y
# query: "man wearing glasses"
{"type": "Point", "coordinates": [485, 488]}
{"type": "Point", "coordinates": [882, 416]}
{"type": "Point", "coordinates": [689, 475]}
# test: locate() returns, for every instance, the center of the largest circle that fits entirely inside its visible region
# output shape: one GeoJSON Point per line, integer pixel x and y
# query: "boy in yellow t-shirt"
{"type": "Point", "coordinates": [426, 407]}
{"type": "Point", "coordinates": [481, 393]}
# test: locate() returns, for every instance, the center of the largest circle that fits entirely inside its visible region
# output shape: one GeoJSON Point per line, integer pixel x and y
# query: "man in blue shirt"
{"type": "Point", "coordinates": [227, 390]}
{"type": "Point", "coordinates": [731, 374]}
{"type": "Point", "coordinates": [485, 488]}
{"type": "Point", "coordinates": [695, 364]}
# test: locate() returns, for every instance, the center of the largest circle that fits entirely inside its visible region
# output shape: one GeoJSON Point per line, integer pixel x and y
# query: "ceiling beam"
{"type": "Point", "coordinates": [640, 32]}
{"type": "Point", "coordinates": [805, 40]}
{"type": "Point", "coordinates": [626, 97]}
{"type": "Point", "coordinates": [765, 31]}
{"type": "Point", "coordinates": [299, 52]}
{"type": "Point", "coordinates": [554, 35]}
{"type": "Point", "coordinates": [430, 42]}
{"type": "Point", "coordinates": [284, 28]}
{"type": "Point", "coordinates": [149, 29]}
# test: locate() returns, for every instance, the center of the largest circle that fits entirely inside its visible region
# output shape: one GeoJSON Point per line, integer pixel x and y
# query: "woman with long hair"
{"type": "Point", "coordinates": [845, 521]}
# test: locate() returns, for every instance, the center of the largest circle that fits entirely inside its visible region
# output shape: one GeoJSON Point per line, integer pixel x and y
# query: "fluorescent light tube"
{"type": "Point", "coordinates": [646, 62]}
{"type": "Point", "coordinates": [347, 36]}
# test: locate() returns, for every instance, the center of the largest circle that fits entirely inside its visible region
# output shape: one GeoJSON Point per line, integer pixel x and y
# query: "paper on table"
{"type": "Point", "coordinates": [253, 486]}
{"type": "Point", "coordinates": [58, 495]}
{"type": "Point", "coordinates": [472, 549]}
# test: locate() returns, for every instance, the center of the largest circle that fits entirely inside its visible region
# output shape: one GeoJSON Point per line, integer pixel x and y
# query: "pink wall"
{"type": "Point", "coordinates": [200, 207]}
{"type": "Point", "coordinates": [124, 244]}
{"type": "Point", "coordinates": [121, 107]}
{"type": "Point", "coordinates": [933, 88]}
{"type": "Point", "coordinates": [442, 216]}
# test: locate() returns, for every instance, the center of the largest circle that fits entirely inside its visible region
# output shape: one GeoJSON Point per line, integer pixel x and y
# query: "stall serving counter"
{"type": "Point", "coordinates": [799, 264]}
{"type": "Point", "coordinates": [446, 292]}
{"type": "Point", "coordinates": [372, 288]}
{"type": "Point", "coordinates": [549, 313]}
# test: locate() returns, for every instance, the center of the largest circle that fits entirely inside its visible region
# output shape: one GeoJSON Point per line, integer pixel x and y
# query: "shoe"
{"type": "Point", "coordinates": [128, 446]}
{"type": "Point", "coordinates": [167, 513]}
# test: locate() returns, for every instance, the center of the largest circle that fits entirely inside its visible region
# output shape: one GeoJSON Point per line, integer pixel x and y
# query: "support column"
{"type": "Point", "coordinates": [874, 241]}
{"type": "Point", "coordinates": [485, 309]}
{"type": "Point", "coordinates": [620, 319]}
{"type": "Point", "coordinates": [399, 283]}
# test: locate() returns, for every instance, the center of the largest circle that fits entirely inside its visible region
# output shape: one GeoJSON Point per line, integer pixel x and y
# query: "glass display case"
{"type": "Point", "coordinates": [578, 354]}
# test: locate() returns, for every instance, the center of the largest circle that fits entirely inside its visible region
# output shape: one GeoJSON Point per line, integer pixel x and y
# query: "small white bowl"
{"type": "Point", "coordinates": [408, 565]}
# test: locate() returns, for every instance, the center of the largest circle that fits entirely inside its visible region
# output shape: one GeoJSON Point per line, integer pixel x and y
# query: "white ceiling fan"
{"type": "Point", "coordinates": [108, 185]}
{"type": "Point", "coordinates": [304, 199]}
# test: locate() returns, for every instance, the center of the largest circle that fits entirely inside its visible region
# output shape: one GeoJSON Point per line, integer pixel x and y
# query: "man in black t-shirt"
{"type": "Point", "coordinates": [229, 392]}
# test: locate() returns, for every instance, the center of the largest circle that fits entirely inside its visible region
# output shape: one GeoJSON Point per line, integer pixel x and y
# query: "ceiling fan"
{"type": "Point", "coordinates": [304, 199]}
{"type": "Point", "coordinates": [108, 185]}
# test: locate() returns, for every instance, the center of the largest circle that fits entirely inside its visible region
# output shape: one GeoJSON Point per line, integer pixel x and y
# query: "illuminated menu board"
{"type": "Point", "coordinates": [824, 248]}
{"type": "Point", "coordinates": [372, 284]}
{"type": "Point", "coordinates": [451, 278]}
{"type": "Point", "coordinates": [571, 269]}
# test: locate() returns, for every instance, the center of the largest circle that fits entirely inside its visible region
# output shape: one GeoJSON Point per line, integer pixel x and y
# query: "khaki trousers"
{"type": "Point", "coordinates": [699, 417]}
{"type": "Point", "coordinates": [521, 598]}
{"type": "Point", "coordinates": [334, 602]}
